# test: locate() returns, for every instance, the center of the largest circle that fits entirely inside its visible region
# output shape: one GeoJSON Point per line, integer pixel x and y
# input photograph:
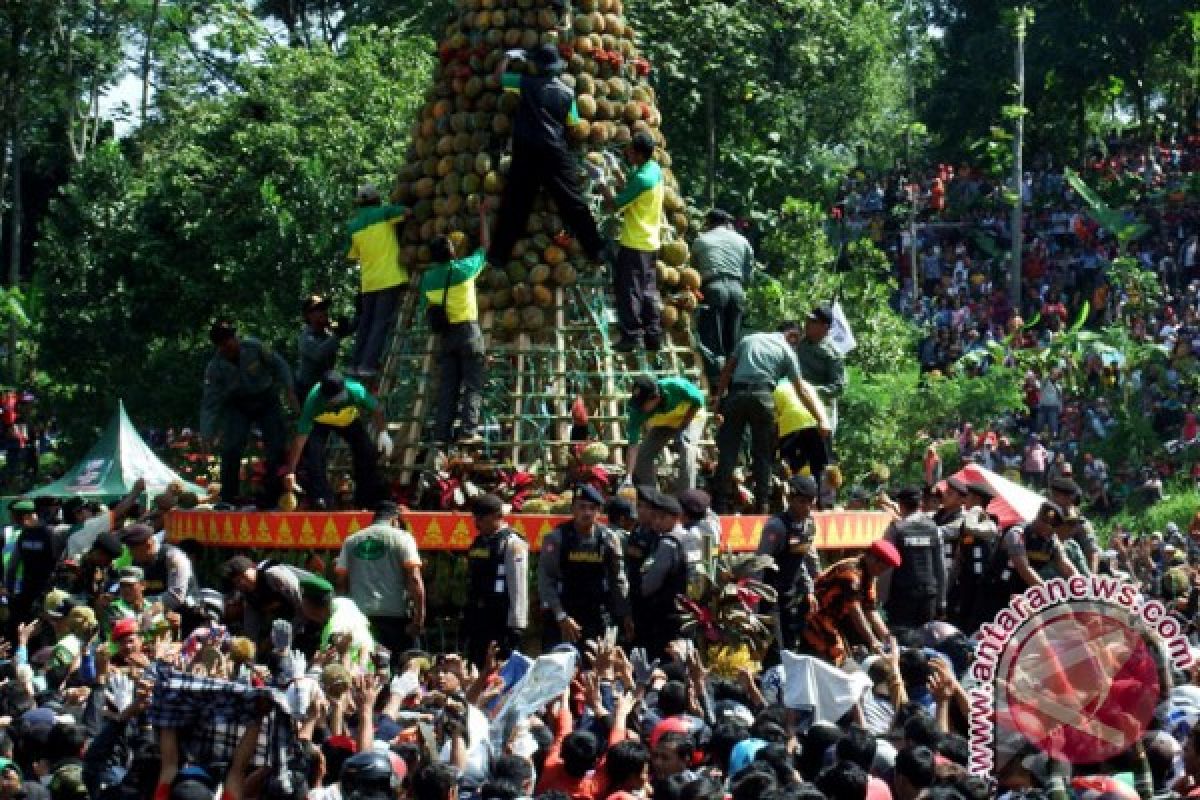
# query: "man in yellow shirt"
{"type": "Point", "coordinates": [374, 246]}
{"type": "Point", "coordinates": [800, 441]}
{"type": "Point", "coordinates": [450, 283]}
{"type": "Point", "coordinates": [639, 307]}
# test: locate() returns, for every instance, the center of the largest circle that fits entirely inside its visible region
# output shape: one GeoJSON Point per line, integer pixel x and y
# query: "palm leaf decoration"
{"type": "Point", "coordinates": [1125, 230]}
{"type": "Point", "coordinates": [723, 608]}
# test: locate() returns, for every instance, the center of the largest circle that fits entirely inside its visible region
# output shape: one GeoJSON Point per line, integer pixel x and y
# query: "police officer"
{"type": "Point", "coordinates": [318, 343]}
{"type": "Point", "coordinates": [638, 546]}
{"type": "Point", "coordinates": [665, 575]}
{"type": "Point", "coordinates": [1067, 494]}
{"type": "Point", "coordinates": [1028, 556]}
{"type": "Point", "coordinates": [918, 586]}
{"type": "Point", "coordinates": [241, 389]}
{"type": "Point", "coordinates": [977, 540]}
{"type": "Point", "coordinates": [168, 570]}
{"type": "Point", "coordinates": [949, 516]}
{"type": "Point", "coordinates": [581, 575]}
{"type": "Point", "coordinates": [791, 539]}
{"type": "Point", "coordinates": [820, 364]}
{"type": "Point", "coordinates": [29, 571]}
{"type": "Point", "coordinates": [497, 582]}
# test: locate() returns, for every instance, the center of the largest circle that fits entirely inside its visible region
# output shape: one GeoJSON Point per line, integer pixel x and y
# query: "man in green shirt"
{"type": "Point", "coordinates": [635, 280]}
{"type": "Point", "coordinates": [725, 261]}
{"type": "Point", "coordinates": [337, 404]}
{"type": "Point", "coordinates": [669, 410]}
{"type": "Point", "coordinates": [819, 363]}
{"type": "Point", "coordinates": [450, 283]}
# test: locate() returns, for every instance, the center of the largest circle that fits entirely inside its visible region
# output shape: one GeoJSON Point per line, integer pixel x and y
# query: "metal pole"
{"type": "Point", "coordinates": [1018, 167]}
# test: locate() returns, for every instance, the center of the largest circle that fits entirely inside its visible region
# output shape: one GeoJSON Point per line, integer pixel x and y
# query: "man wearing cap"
{"type": "Point", "coordinates": [978, 538]}
{"type": "Point", "coordinates": [1067, 494]}
{"type": "Point", "coordinates": [917, 590]}
{"type": "Point", "coordinates": [847, 604]}
{"type": "Point", "coordinates": [638, 546]}
{"type": "Point", "coordinates": [131, 601]}
{"type": "Point", "coordinates": [949, 516]}
{"type": "Point", "coordinates": [77, 632]}
{"type": "Point", "coordinates": [725, 261]}
{"type": "Point", "coordinates": [820, 363]}
{"type": "Point", "coordinates": [270, 591]}
{"type": "Point", "coordinates": [758, 364]}
{"type": "Point", "coordinates": [666, 574]}
{"type": "Point", "coordinates": [1028, 556]}
{"type": "Point", "coordinates": [497, 582]}
{"type": "Point", "coordinates": [31, 567]}
{"type": "Point", "coordinates": [338, 621]}
{"type": "Point", "coordinates": [376, 248]}
{"type": "Point", "coordinates": [379, 567]}
{"type": "Point", "coordinates": [448, 285]}
{"type": "Point", "coordinates": [168, 570]}
{"type": "Point", "coordinates": [96, 568]}
{"type": "Point", "coordinates": [318, 343]}
{"type": "Point", "coordinates": [635, 276]}
{"type": "Point", "coordinates": [669, 409]}
{"type": "Point", "coordinates": [541, 157]}
{"type": "Point", "coordinates": [581, 574]}
{"type": "Point", "coordinates": [338, 404]}
{"type": "Point", "coordinates": [790, 539]}
{"type": "Point", "coordinates": [241, 390]}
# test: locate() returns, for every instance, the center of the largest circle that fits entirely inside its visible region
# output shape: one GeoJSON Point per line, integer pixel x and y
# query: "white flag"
{"type": "Point", "coordinates": [841, 338]}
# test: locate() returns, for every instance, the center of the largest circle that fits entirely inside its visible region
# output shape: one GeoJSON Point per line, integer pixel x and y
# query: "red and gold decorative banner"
{"type": "Point", "coordinates": [836, 530]}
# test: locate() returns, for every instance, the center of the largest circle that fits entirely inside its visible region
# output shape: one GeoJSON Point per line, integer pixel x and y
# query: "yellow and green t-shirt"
{"type": "Point", "coordinates": [790, 413]}
{"type": "Point", "coordinates": [373, 244]}
{"type": "Point", "coordinates": [679, 397]}
{"type": "Point", "coordinates": [319, 409]}
{"type": "Point", "coordinates": [459, 289]}
{"type": "Point", "coordinates": [641, 204]}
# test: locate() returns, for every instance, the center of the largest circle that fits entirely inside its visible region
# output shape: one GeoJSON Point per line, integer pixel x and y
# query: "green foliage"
{"type": "Point", "coordinates": [1178, 505]}
{"type": "Point", "coordinates": [234, 206]}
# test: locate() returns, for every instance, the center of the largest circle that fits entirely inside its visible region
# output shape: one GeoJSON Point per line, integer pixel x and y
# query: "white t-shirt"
{"type": "Point", "coordinates": [79, 542]}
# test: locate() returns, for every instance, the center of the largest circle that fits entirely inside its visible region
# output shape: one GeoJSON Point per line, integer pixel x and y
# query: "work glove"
{"type": "Point", "coordinates": [384, 444]}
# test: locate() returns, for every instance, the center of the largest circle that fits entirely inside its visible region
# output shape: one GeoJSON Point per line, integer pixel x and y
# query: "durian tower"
{"type": "Point", "coordinates": [459, 158]}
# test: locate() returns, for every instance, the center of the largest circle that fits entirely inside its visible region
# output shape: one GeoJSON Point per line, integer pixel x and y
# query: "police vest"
{"type": "Point", "coordinates": [1039, 551]}
{"type": "Point", "coordinates": [799, 536]}
{"type": "Point", "coordinates": [975, 553]}
{"type": "Point", "coordinates": [583, 564]}
{"type": "Point", "coordinates": [487, 576]}
{"type": "Point", "coordinates": [676, 582]}
{"type": "Point", "coordinates": [639, 545]}
{"type": "Point", "coordinates": [917, 541]}
{"type": "Point", "coordinates": [156, 574]}
{"type": "Point", "coordinates": [951, 526]}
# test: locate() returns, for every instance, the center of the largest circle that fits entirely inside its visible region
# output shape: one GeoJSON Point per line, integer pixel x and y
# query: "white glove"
{"type": "Point", "coordinates": [119, 693]}
{"type": "Point", "coordinates": [516, 54]}
{"type": "Point", "coordinates": [384, 443]}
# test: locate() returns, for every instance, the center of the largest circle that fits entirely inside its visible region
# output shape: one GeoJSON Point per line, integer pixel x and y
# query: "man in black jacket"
{"type": "Point", "coordinates": [541, 157]}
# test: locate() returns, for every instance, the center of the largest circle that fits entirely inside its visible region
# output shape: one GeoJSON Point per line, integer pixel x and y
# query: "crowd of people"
{"type": "Point", "coordinates": [959, 294]}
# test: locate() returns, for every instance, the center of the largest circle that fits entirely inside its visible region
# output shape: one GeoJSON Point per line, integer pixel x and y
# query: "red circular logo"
{"type": "Point", "coordinates": [1079, 683]}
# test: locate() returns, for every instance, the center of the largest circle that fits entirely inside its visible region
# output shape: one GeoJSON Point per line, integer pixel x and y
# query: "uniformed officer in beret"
{"type": "Point", "coordinates": [241, 390]}
{"type": "Point", "coordinates": [638, 546]}
{"type": "Point", "coordinates": [497, 582]}
{"type": "Point", "coordinates": [581, 575]}
{"type": "Point", "coordinates": [791, 539]}
{"type": "Point", "coordinates": [666, 573]}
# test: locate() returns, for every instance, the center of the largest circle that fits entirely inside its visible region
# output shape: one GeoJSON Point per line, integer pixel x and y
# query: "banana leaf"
{"type": "Point", "coordinates": [1112, 220]}
{"type": "Point", "coordinates": [1084, 313]}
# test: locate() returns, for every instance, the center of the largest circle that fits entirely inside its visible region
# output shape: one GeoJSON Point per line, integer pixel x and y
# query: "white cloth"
{"type": "Point", "coordinates": [79, 542]}
{"type": "Point", "coordinates": [812, 683]}
{"type": "Point", "coordinates": [841, 337]}
{"type": "Point", "coordinates": [547, 679]}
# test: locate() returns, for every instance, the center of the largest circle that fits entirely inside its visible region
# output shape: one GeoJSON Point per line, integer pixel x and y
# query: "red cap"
{"type": "Point", "coordinates": [886, 552]}
{"type": "Point", "coordinates": [124, 627]}
{"type": "Point", "coordinates": [343, 743]}
{"type": "Point", "coordinates": [669, 725]}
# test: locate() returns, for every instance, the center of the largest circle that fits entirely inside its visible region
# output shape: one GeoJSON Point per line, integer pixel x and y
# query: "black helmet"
{"type": "Point", "coordinates": [368, 776]}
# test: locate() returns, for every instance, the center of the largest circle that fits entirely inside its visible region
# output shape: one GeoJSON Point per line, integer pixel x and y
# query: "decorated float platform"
{"type": "Point", "coordinates": [451, 531]}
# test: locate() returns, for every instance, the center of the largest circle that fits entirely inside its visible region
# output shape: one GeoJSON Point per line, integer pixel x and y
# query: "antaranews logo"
{"type": "Point", "coordinates": [1070, 667]}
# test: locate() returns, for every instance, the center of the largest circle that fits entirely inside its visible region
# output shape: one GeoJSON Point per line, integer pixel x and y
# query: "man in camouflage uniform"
{"type": "Point", "coordinates": [819, 363]}
{"type": "Point", "coordinates": [241, 389]}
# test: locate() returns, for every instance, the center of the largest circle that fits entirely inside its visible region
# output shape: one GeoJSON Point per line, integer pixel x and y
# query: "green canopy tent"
{"type": "Point", "coordinates": [112, 466]}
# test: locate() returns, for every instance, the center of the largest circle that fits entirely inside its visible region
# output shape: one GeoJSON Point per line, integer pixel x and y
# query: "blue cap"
{"type": "Point", "coordinates": [743, 753]}
{"type": "Point", "coordinates": [590, 493]}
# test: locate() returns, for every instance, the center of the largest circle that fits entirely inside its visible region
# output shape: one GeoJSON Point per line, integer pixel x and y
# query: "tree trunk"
{"type": "Point", "coordinates": [14, 260]}
{"type": "Point", "coordinates": [1018, 169]}
{"type": "Point", "coordinates": [710, 103]}
{"type": "Point", "coordinates": [147, 54]}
